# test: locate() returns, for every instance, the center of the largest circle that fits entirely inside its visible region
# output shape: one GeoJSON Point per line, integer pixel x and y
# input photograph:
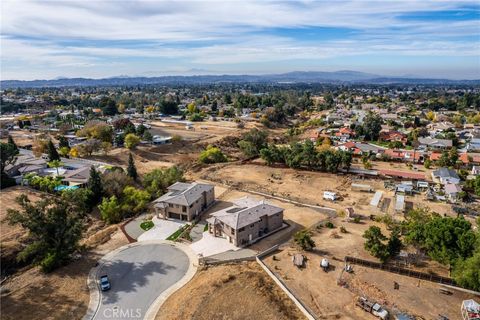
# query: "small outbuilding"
{"type": "Point", "coordinates": [400, 203]}
{"type": "Point", "coordinates": [299, 260]}
{"type": "Point", "coordinates": [376, 199]}
{"type": "Point", "coordinates": [362, 187]}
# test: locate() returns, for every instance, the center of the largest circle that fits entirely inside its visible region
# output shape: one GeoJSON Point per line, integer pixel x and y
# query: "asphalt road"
{"type": "Point", "coordinates": [138, 275]}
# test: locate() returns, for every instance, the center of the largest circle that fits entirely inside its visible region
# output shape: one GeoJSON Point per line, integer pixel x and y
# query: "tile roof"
{"type": "Point", "coordinates": [435, 142]}
{"type": "Point", "coordinates": [244, 212]}
{"type": "Point", "coordinates": [82, 173]}
{"type": "Point", "coordinates": [445, 173]}
{"type": "Point", "coordinates": [184, 193]}
{"type": "Point", "coordinates": [402, 174]}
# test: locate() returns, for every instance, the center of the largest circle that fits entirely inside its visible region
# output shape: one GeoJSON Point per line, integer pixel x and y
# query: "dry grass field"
{"type": "Point", "coordinates": [234, 292]}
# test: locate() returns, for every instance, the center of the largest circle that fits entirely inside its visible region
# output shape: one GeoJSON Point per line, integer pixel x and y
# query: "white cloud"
{"type": "Point", "coordinates": [77, 36]}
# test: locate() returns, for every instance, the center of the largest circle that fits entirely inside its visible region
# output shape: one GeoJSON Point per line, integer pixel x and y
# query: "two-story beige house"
{"type": "Point", "coordinates": [184, 201]}
{"type": "Point", "coordinates": [246, 221]}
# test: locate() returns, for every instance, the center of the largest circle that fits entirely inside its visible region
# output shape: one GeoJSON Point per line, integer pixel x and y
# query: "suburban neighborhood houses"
{"type": "Point", "coordinates": [341, 185]}
{"type": "Point", "coordinates": [240, 160]}
{"type": "Point", "coordinates": [333, 194]}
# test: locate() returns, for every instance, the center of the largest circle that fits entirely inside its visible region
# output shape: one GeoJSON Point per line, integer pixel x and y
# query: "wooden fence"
{"type": "Point", "coordinates": [401, 271]}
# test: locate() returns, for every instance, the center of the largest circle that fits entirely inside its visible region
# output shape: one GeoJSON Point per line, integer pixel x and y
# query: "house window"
{"type": "Point", "coordinates": [233, 231]}
{"type": "Point", "coordinates": [251, 226]}
{"type": "Point", "coordinates": [170, 205]}
{"type": "Point", "coordinates": [184, 209]}
{"type": "Point", "coordinates": [241, 229]}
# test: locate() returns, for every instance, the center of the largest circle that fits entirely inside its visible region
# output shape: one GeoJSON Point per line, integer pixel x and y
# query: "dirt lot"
{"type": "Point", "coordinates": [313, 285]}
{"type": "Point", "coordinates": [10, 233]}
{"type": "Point", "coordinates": [209, 131]}
{"type": "Point", "coordinates": [25, 137]}
{"type": "Point", "coordinates": [230, 292]}
{"type": "Point", "coordinates": [11, 236]}
{"type": "Point", "coordinates": [148, 158]}
{"type": "Point", "coordinates": [297, 217]}
{"type": "Point", "coordinates": [62, 294]}
{"type": "Point", "coordinates": [308, 186]}
{"type": "Point", "coordinates": [416, 297]}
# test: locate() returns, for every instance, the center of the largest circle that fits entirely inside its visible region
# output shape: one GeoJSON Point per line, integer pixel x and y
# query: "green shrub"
{"type": "Point", "coordinates": [329, 225]}
{"type": "Point", "coordinates": [304, 240]}
{"type": "Point", "coordinates": [177, 233]}
{"type": "Point", "coordinates": [147, 225]}
{"type": "Point", "coordinates": [212, 155]}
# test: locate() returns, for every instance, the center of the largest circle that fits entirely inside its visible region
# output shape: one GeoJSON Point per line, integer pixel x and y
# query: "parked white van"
{"type": "Point", "coordinates": [327, 195]}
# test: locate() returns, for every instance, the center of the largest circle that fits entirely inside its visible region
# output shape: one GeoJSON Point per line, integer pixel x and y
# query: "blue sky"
{"type": "Point", "coordinates": [44, 39]}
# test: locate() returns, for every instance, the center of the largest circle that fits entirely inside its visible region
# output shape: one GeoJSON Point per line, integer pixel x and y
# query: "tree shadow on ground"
{"type": "Point", "coordinates": [118, 270]}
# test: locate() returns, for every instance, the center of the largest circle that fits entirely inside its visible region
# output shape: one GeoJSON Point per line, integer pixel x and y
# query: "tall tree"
{"type": "Point", "coordinates": [52, 152]}
{"type": "Point", "coordinates": [372, 126]}
{"type": "Point", "coordinates": [467, 271]}
{"type": "Point", "coordinates": [54, 230]}
{"type": "Point", "coordinates": [95, 185]}
{"type": "Point", "coordinates": [374, 243]}
{"type": "Point", "coordinates": [157, 181]}
{"type": "Point", "coordinates": [13, 144]}
{"type": "Point", "coordinates": [252, 142]}
{"type": "Point", "coordinates": [8, 153]}
{"type": "Point", "coordinates": [63, 142]}
{"type": "Point", "coordinates": [131, 141]}
{"type": "Point", "coordinates": [131, 169]}
{"type": "Point", "coordinates": [108, 106]}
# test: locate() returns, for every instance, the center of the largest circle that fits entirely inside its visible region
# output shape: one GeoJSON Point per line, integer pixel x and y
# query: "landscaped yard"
{"type": "Point", "coordinates": [147, 225]}
{"type": "Point", "coordinates": [177, 233]}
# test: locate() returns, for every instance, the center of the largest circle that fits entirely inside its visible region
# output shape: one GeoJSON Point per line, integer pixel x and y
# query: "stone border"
{"type": "Point", "coordinates": [94, 289]}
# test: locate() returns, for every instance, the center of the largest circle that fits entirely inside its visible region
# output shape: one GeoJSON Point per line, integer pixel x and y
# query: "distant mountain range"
{"type": "Point", "coordinates": [337, 77]}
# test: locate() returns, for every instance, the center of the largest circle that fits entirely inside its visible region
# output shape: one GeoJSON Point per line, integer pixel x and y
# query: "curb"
{"type": "Point", "coordinates": [94, 289]}
{"type": "Point", "coordinates": [192, 269]}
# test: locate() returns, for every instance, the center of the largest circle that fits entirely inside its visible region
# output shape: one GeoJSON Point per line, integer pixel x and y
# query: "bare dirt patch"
{"type": "Point", "coordinates": [62, 294]}
{"type": "Point", "coordinates": [297, 217]}
{"type": "Point", "coordinates": [308, 186]}
{"type": "Point", "coordinates": [7, 232]}
{"type": "Point", "coordinates": [320, 291]}
{"type": "Point", "coordinates": [11, 236]}
{"type": "Point", "coordinates": [241, 291]}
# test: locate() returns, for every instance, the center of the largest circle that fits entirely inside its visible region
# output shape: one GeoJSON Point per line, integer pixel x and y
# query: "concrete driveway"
{"type": "Point", "coordinates": [210, 245]}
{"type": "Point", "coordinates": [162, 229]}
{"type": "Point", "coordinates": [138, 275]}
